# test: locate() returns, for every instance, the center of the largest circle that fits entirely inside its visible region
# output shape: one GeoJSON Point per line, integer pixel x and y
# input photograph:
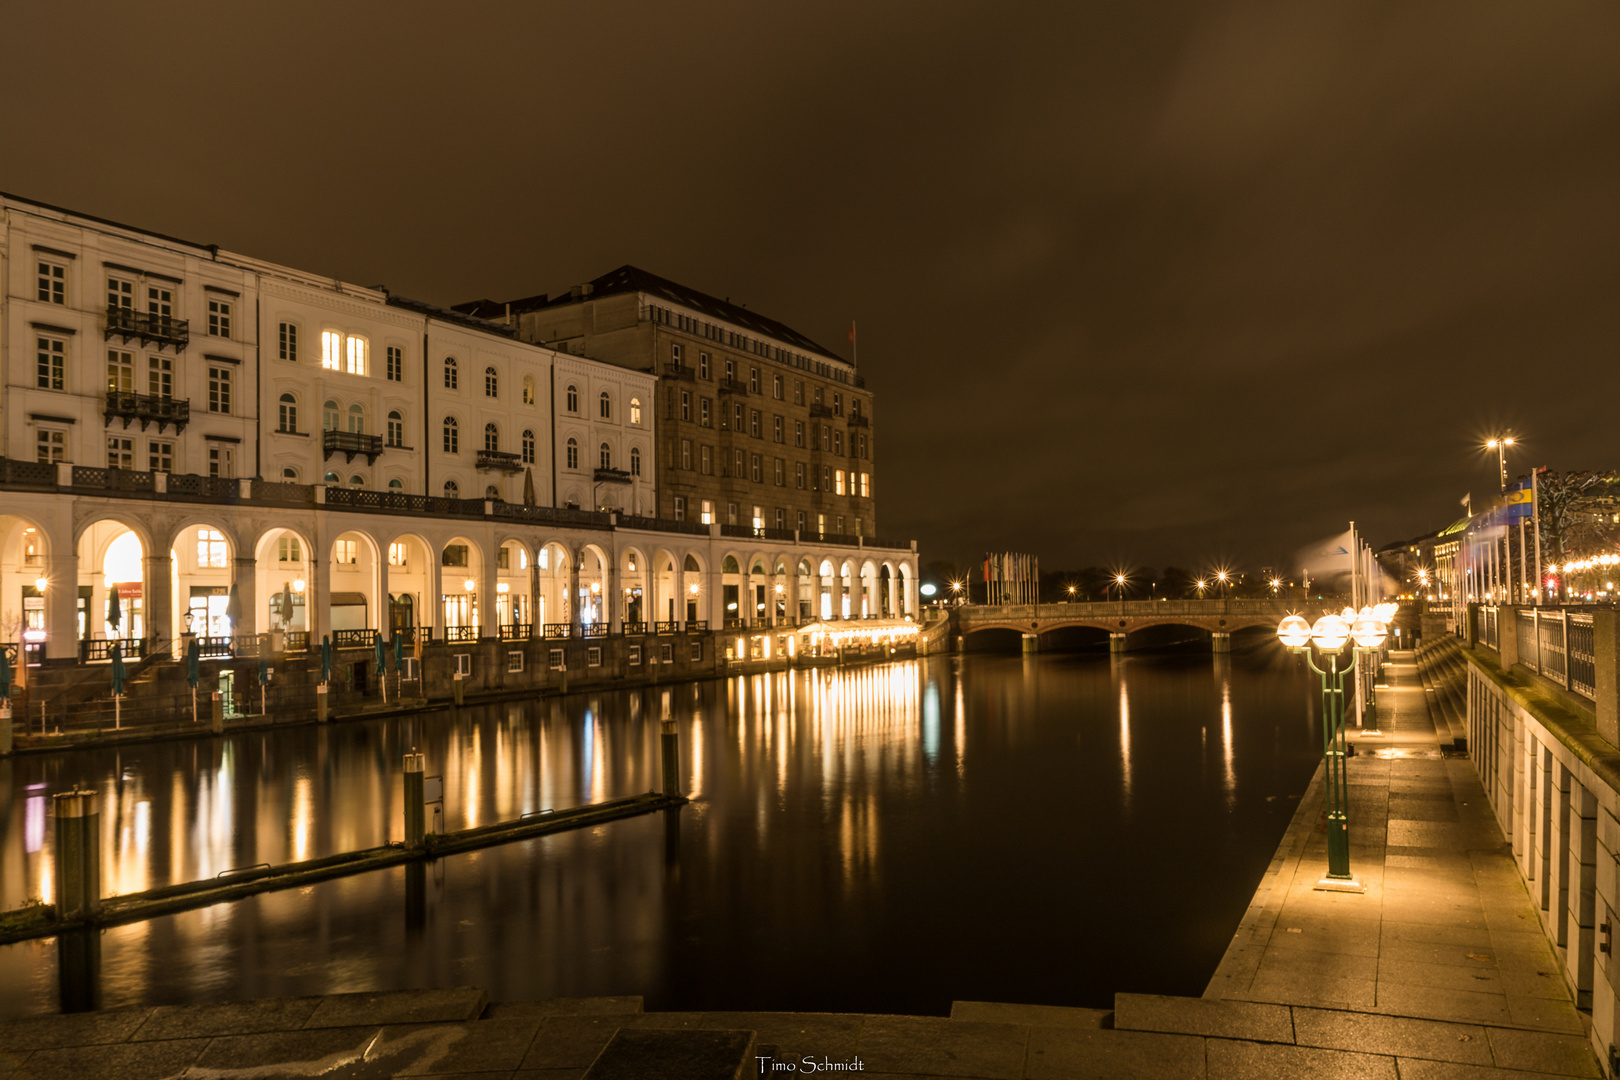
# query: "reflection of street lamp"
{"type": "Point", "coordinates": [1329, 635]}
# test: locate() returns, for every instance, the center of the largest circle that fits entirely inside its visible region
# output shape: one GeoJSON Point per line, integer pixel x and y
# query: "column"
{"type": "Point", "coordinates": [745, 593]}
{"type": "Point", "coordinates": [572, 577]}
{"type": "Point", "coordinates": [157, 602]}
{"type": "Point", "coordinates": [317, 601]}
{"type": "Point", "coordinates": [246, 584]}
{"type": "Point", "coordinates": [430, 613]}
{"type": "Point", "coordinates": [678, 584]}
{"type": "Point", "coordinates": [534, 591]}
{"type": "Point", "coordinates": [612, 597]}
{"type": "Point", "coordinates": [487, 621]}
{"type": "Point", "coordinates": [385, 610]}
{"type": "Point", "coordinates": [715, 600]}
{"type": "Point", "coordinates": [62, 604]}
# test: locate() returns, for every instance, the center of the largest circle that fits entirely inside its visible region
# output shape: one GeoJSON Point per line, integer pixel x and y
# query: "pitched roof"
{"type": "Point", "coordinates": [452, 315]}
{"type": "Point", "coordinates": [632, 279]}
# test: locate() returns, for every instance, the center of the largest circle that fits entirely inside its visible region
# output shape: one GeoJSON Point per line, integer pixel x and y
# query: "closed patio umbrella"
{"type": "Point", "coordinates": [115, 613]}
{"type": "Point", "coordinates": [118, 671]}
{"type": "Point", "coordinates": [380, 647]}
{"type": "Point", "coordinates": [5, 675]}
{"type": "Point", "coordinates": [194, 663]}
{"type": "Point", "coordinates": [326, 658]}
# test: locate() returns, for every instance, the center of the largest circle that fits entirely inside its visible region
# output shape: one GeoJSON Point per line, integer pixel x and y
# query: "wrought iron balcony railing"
{"type": "Point", "coordinates": [499, 459]}
{"type": "Point", "coordinates": [351, 443]}
{"type": "Point", "coordinates": [148, 409]}
{"type": "Point", "coordinates": [161, 330]}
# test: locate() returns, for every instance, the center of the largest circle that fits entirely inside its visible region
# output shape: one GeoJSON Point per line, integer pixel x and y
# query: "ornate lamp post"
{"type": "Point", "coordinates": [1329, 635]}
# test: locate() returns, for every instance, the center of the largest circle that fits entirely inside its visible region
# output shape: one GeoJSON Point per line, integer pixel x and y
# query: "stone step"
{"type": "Point", "coordinates": [997, 1012]}
{"type": "Point", "coordinates": [577, 1006]}
{"type": "Point", "coordinates": [1220, 1019]}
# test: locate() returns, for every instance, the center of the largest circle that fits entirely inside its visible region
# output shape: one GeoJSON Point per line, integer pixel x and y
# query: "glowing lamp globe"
{"type": "Point", "coordinates": [1349, 615]}
{"type": "Point", "coordinates": [1368, 632]}
{"type": "Point", "coordinates": [1330, 633]}
{"type": "Point", "coordinates": [1294, 631]}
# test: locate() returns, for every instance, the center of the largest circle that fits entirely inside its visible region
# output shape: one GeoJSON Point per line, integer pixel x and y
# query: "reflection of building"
{"type": "Point", "coordinates": [758, 425]}
{"type": "Point", "coordinates": [258, 448]}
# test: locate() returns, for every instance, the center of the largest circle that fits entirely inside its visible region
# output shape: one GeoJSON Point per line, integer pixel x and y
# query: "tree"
{"type": "Point", "coordinates": [1576, 512]}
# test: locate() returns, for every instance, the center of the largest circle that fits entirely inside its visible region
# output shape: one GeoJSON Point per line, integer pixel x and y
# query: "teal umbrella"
{"type": "Point", "coordinates": [381, 648]}
{"type": "Point", "coordinates": [399, 651]}
{"type": "Point", "coordinates": [117, 668]}
{"type": "Point", "coordinates": [115, 614]}
{"type": "Point", "coordinates": [5, 675]}
{"type": "Point", "coordinates": [264, 669]}
{"type": "Point", "coordinates": [326, 658]}
{"type": "Point", "coordinates": [194, 663]}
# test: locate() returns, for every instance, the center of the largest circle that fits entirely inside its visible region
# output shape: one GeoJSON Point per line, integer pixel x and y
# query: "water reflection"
{"type": "Point", "coordinates": [843, 850]}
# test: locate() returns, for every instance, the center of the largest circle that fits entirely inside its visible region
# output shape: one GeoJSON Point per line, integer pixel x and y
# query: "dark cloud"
{"type": "Point", "coordinates": [1136, 282]}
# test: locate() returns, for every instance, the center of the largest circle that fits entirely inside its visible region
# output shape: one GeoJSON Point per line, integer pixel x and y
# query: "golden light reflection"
{"type": "Point", "coordinates": [1229, 781]}
{"type": "Point", "coordinates": [302, 818]}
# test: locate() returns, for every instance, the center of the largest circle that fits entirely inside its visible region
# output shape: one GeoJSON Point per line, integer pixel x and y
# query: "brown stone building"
{"type": "Point", "coordinates": [756, 424]}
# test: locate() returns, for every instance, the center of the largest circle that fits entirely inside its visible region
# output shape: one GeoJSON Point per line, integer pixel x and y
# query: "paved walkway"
{"type": "Point", "coordinates": [1439, 971]}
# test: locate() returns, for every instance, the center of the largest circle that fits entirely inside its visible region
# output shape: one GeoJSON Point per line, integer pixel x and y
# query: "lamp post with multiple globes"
{"type": "Point", "coordinates": [1330, 634]}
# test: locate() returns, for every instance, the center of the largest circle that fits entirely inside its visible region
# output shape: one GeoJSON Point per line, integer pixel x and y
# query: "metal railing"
{"type": "Point", "coordinates": [1488, 627]}
{"type": "Point", "coordinates": [351, 443]}
{"type": "Point", "coordinates": [514, 632]}
{"type": "Point", "coordinates": [636, 628]}
{"type": "Point", "coordinates": [557, 630]}
{"type": "Point", "coordinates": [1558, 645]}
{"type": "Point", "coordinates": [651, 524]}
{"type": "Point", "coordinates": [732, 386]}
{"type": "Point", "coordinates": [129, 323]}
{"type": "Point", "coordinates": [99, 649]}
{"type": "Point", "coordinates": [697, 626]}
{"type": "Point", "coordinates": [353, 639]}
{"type": "Point", "coordinates": [460, 633]}
{"type": "Point", "coordinates": [297, 641]}
{"type": "Point", "coordinates": [148, 409]}
{"type": "Point", "coordinates": [594, 630]}
{"type": "Point", "coordinates": [206, 487]}
{"type": "Point", "coordinates": [498, 459]}
{"type": "Point", "coordinates": [667, 627]}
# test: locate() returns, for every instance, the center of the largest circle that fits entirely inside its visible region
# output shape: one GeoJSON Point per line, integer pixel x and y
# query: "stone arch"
{"type": "Point", "coordinates": [352, 597]}
{"type": "Point", "coordinates": [204, 554]}
{"type": "Point", "coordinates": [282, 575]}
{"type": "Point", "coordinates": [554, 561]}
{"type": "Point", "coordinates": [413, 582]}
{"type": "Point", "coordinates": [593, 601]}
{"type": "Point", "coordinates": [635, 594]}
{"type": "Point", "coordinates": [463, 609]}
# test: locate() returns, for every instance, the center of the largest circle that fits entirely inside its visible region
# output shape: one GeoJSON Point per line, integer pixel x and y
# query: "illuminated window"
{"type": "Point", "coordinates": [289, 550]}
{"type": "Point", "coordinates": [866, 485]}
{"type": "Point", "coordinates": [120, 372]}
{"type": "Point", "coordinates": [838, 481]}
{"type": "Point", "coordinates": [357, 356]}
{"type": "Point", "coordinates": [211, 552]}
{"type": "Point", "coordinates": [398, 555]}
{"type": "Point", "coordinates": [707, 514]}
{"type": "Point", "coordinates": [345, 552]}
{"type": "Point", "coordinates": [528, 390]}
{"type": "Point", "coordinates": [331, 349]}
{"type": "Point", "coordinates": [635, 410]}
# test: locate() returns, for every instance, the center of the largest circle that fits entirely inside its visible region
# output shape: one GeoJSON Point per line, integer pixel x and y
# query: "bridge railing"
{"type": "Point", "coordinates": [1140, 608]}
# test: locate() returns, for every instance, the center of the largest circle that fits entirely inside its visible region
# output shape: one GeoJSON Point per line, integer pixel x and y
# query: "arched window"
{"type": "Point", "coordinates": [290, 473]}
{"type": "Point", "coordinates": [450, 374]}
{"type": "Point", "coordinates": [573, 399]}
{"type": "Point", "coordinates": [396, 428]}
{"type": "Point", "coordinates": [492, 438]}
{"type": "Point", "coordinates": [635, 410]}
{"type": "Point", "coordinates": [331, 418]}
{"type": "Point", "coordinates": [493, 492]}
{"type": "Point", "coordinates": [606, 406]}
{"type": "Point", "coordinates": [635, 461]}
{"type": "Point", "coordinates": [606, 456]}
{"type": "Point", "coordinates": [452, 436]}
{"type": "Point", "coordinates": [396, 484]}
{"type": "Point", "coordinates": [573, 454]}
{"type": "Point", "coordinates": [451, 491]}
{"type": "Point", "coordinates": [528, 390]}
{"type": "Point", "coordinates": [357, 419]}
{"type": "Point", "coordinates": [332, 478]}
{"type": "Point", "coordinates": [492, 383]}
{"type": "Point", "coordinates": [357, 481]}
{"type": "Point", "coordinates": [289, 413]}
{"type": "Point", "coordinates": [528, 447]}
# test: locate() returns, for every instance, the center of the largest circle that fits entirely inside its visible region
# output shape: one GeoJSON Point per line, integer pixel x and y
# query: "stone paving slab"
{"type": "Point", "coordinates": [1076, 1054]}
{"type": "Point", "coordinates": [125, 1061]}
{"type": "Point", "coordinates": [996, 1012]}
{"type": "Point", "coordinates": [1200, 1016]}
{"type": "Point", "coordinates": [226, 1018]}
{"type": "Point", "coordinates": [935, 1046]}
{"type": "Point", "coordinates": [1248, 1060]}
{"type": "Point", "coordinates": [430, 1006]}
{"type": "Point", "coordinates": [74, 1029]}
{"type": "Point", "coordinates": [637, 1053]}
{"type": "Point", "coordinates": [574, 1006]}
{"type": "Point", "coordinates": [1401, 1036]}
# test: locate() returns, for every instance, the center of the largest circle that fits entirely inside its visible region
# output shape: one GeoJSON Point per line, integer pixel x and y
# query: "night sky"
{"type": "Point", "coordinates": [1136, 283]}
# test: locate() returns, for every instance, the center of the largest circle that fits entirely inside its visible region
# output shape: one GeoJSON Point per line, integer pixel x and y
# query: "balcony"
{"type": "Point", "coordinates": [733, 386]}
{"type": "Point", "coordinates": [148, 409]}
{"type": "Point", "coordinates": [610, 476]}
{"type": "Point", "coordinates": [499, 460]}
{"type": "Point", "coordinates": [160, 330]}
{"type": "Point", "coordinates": [680, 371]}
{"type": "Point", "coordinates": [352, 443]}
{"type": "Point", "coordinates": [820, 410]}
{"type": "Point", "coordinates": [859, 420]}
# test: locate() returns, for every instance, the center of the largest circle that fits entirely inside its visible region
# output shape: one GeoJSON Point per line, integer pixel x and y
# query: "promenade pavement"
{"type": "Point", "coordinates": [1438, 971]}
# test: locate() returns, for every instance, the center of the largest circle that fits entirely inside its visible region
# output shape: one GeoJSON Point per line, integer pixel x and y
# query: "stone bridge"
{"type": "Point", "coordinates": [1119, 619]}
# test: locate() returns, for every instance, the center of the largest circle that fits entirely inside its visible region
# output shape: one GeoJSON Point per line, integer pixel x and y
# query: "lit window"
{"type": "Point", "coordinates": [707, 516]}
{"type": "Point", "coordinates": [287, 418]}
{"type": "Point", "coordinates": [398, 554]}
{"type": "Point", "coordinates": [635, 410]}
{"type": "Point", "coordinates": [287, 338]}
{"type": "Point", "coordinates": [51, 363]}
{"type": "Point", "coordinates": [396, 429]}
{"type": "Point", "coordinates": [52, 279]}
{"type": "Point", "coordinates": [331, 349]}
{"type": "Point", "coordinates": [452, 436]}
{"type": "Point", "coordinates": [838, 481]}
{"type": "Point", "coordinates": [345, 552]}
{"type": "Point", "coordinates": [289, 550]}
{"type": "Point", "coordinates": [866, 485]}
{"type": "Point", "coordinates": [492, 383]}
{"type": "Point", "coordinates": [219, 318]}
{"type": "Point", "coordinates": [528, 390]}
{"type": "Point", "coordinates": [211, 553]}
{"type": "Point", "coordinates": [451, 376]}
{"type": "Point", "coordinates": [357, 356]}
{"type": "Point", "coordinates": [120, 372]}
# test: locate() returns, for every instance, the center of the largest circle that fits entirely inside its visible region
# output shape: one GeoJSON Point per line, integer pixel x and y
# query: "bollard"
{"type": "Point", "coordinates": [5, 729]}
{"type": "Point", "coordinates": [455, 685]}
{"type": "Point", "coordinates": [320, 703]}
{"type": "Point", "coordinates": [1116, 643]}
{"type": "Point", "coordinates": [415, 809]}
{"type": "Point", "coordinates": [78, 855]}
{"type": "Point", "coordinates": [1221, 641]}
{"type": "Point", "coordinates": [671, 741]}
{"type": "Point", "coordinates": [1032, 643]}
{"type": "Point", "coordinates": [219, 714]}
{"type": "Point", "coordinates": [562, 678]}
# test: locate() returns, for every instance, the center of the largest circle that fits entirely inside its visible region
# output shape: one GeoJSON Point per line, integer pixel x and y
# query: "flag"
{"type": "Point", "coordinates": [852, 331]}
{"type": "Point", "coordinates": [1331, 554]}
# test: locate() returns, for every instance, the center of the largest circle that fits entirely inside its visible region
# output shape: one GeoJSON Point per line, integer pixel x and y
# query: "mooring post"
{"type": "Point", "coordinates": [219, 714]}
{"type": "Point", "coordinates": [671, 747]}
{"type": "Point", "coordinates": [78, 854]}
{"type": "Point", "coordinates": [456, 683]}
{"type": "Point", "coordinates": [1116, 643]}
{"type": "Point", "coordinates": [320, 704]}
{"type": "Point", "coordinates": [5, 729]}
{"type": "Point", "coordinates": [415, 808]}
{"type": "Point", "coordinates": [1221, 641]}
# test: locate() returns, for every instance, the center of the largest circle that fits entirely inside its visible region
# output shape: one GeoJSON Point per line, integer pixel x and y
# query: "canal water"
{"type": "Point", "coordinates": [1047, 829]}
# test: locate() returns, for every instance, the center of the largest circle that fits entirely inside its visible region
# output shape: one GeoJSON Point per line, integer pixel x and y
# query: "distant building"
{"type": "Point", "coordinates": [758, 426]}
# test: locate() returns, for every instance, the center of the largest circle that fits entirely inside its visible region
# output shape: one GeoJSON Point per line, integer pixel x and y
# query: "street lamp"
{"type": "Point", "coordinates": [1222, 578]}
{"type": "Point", "coordinates": [1330, 634]}
{"type": "Point", "coordinates": [1500, 444]}
{"type": "Point", "coordinates": [1119, 580]}
{"type": "Point", "coordinates": [1202, 585]}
